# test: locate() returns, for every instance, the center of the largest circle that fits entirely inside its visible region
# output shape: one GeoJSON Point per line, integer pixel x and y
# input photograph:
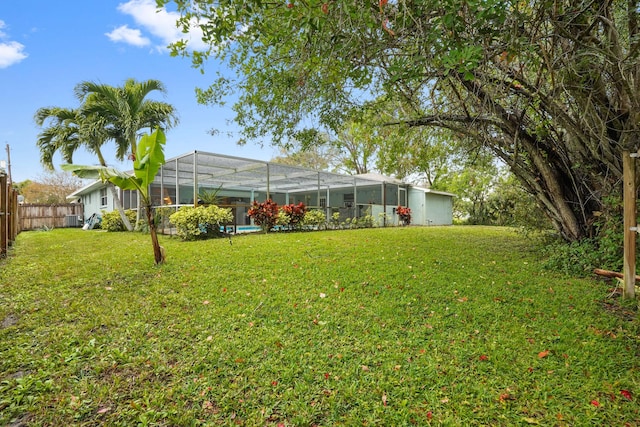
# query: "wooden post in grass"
{"type": "Point", "coordinates": [4, 214]}
{"type": "Point", "coordinates": [630, 225]}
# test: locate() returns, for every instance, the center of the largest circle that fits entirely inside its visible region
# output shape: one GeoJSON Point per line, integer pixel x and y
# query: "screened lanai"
{"type": "Point", "coordinates": [239, 181]}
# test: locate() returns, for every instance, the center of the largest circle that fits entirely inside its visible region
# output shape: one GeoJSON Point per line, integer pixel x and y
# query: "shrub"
{"type": "Point", "coordinates": [201, 222]}
{"type": "Point", "coordinates": [264, 214]}
{"type": "Point", "coordinates": [314, 218]}
{"type": "Point", "coordinates": [366, 221]}
{"type": "Point", "coordinates": [111, 221]}
{"type": "Point", "coordinates": [282, 218]}
{"type": "Point", "coordinates": [335, 220]}
{"type": "Point", "coordinates": [404, 214]}
{"type": "Point", "coordinates": [604, 250]}
{"type": "Point", "coordinates": [294, 213]}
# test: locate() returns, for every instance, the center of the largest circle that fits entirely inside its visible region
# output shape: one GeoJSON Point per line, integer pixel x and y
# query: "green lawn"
{"type": "Point", "coordinates": [376, 327]}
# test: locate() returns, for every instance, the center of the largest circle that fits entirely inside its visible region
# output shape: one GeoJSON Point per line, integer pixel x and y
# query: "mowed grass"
{"type": "Point", "coordinates": [376, 327]}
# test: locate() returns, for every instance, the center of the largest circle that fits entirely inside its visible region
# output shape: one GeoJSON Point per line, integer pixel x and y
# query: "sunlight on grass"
{"type": "Point", "coordinates": [401, 326]}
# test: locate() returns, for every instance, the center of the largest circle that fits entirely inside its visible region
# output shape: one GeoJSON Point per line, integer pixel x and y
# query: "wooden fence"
{"type": "Point", "coordinates": [9, 226]}
{"type": "Point", "coordinates": [39, 216]}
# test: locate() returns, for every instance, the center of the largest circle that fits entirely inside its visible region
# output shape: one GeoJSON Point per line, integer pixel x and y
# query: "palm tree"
{"type": "Point", "coordinates": [126, 110]}
{"type": "Point", "coordinates": [68, 130]}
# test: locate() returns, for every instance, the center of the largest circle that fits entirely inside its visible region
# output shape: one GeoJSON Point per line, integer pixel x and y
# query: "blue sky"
{"type": "Point", "coordinates": [48, 47]}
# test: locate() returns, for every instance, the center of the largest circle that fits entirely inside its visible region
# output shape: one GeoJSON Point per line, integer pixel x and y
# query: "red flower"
{"type": "Point", "coordinates": [595, 403]}
{"type": "Point", "coordinates": [626, 394]}
{"type": "Point", "coordinates": [404, 214]}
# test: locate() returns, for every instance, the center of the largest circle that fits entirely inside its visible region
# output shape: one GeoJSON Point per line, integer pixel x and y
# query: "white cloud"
{"type": "Point", "coordinates": [11, 52]}
{"type": "Point", "coordinates": [160, 23]}
{"type": "Point", "coordinates": [128, 35]}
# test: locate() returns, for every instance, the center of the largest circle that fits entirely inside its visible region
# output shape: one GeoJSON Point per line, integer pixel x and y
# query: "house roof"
{"type": "Point", "coordinates": [229, 172]}
{"type": "Point", "coordinates": [224, 171]}
{"type": "Point", "coordinates": [380, 178]}
{"type": "Point", "coordinates": [86, 189]}
{"type": "Point", "coordinates": [430, 191]}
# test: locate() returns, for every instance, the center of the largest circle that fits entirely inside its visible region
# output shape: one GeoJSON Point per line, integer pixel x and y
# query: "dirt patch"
{"type": "Point", "coordinates": [21, 421]}
{"type": "Point", "coordinates": [8, 321]}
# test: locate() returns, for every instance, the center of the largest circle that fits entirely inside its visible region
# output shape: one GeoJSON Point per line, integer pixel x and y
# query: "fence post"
{"type": "Point", "coordinates": [630, 226]}
{"type": "Point", "coordinates": [15, 219]}
{"type": "Point", "coordinates": [4, 199]}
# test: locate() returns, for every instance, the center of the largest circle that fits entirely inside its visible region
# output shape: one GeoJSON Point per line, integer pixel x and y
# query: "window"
{"type": "Point", "coordinates": [323, 202]}
{"type": "Point", "coordinates": [103, 196]}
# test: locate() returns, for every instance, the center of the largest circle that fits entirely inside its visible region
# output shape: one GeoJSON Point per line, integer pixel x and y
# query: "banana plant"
{"type": "Point", "coordinates": [147, 161]}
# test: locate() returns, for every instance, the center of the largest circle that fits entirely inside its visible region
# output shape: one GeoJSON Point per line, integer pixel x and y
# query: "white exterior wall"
{"type": "Point", "coordinates": [429, 208]}
{"type": "Point", "coordinates": [92, 203]}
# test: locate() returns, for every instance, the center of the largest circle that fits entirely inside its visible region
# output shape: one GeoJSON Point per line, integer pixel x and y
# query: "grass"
{"type": "Point", "coordinates": [376, 327]}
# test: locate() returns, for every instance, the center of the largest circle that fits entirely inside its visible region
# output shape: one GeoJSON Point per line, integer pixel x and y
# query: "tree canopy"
{"type": "Point", "coordinates": [551, 87]}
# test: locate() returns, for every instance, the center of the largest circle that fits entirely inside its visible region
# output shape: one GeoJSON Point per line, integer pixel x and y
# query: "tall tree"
{"type": "Point", "coordinates": [317, 157]}
{"type": "Point", "coordinates": [126, 110]}
{"type": "Point", "coordinates": [52, 187]}
{"type": "Point", "coordinates": [65, 131]}
{"type": "Point", "coordinates": [551, 87]}
{"type": "Point", "coordinates": [358, 143]}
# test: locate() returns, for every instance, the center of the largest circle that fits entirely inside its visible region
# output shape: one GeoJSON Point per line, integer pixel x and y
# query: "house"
{"type": "Point", "coordinates": [239, 181]}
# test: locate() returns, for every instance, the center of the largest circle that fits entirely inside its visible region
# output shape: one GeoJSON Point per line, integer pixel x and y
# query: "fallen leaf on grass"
{"type": "Point", "coordinates": [365, 368]}
{"type": "Point", "coordinates": [384, 399]}
{"type": "Point", "coordinates": [506, 396]}
{"type": "Point", "coordinates": [595, 403]}
{"type": "Point", "coordinates": [104, 410]}
{"type": "Point", "coordinates": [543, 354]}
{"type": "Point", "coordinates": [626, 394]}
{"type": "Point", "coordinates": [205, 302]}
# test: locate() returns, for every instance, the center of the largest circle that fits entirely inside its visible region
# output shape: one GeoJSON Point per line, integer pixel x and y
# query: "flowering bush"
{"type": "Point", "coordinates": [295, 213]}
{"type": "Point", "coordinates": [264, 214]}
{"type": "Point", "coordinates": [404, 214]}
{"type": "Point", "coordinates": [201, 222]}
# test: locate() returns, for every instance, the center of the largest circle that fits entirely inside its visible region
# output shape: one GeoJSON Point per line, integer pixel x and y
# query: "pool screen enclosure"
{"type": "Point", "coordinates": [238, 182]}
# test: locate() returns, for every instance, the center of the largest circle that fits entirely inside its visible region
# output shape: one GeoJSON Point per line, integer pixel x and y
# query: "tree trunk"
{"type": "Point", "coordinates": [114, 193]}
{"type": "Point", "coordinates": [118, 202]}
{"type": "Point", "coordinates": [157, 250]}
